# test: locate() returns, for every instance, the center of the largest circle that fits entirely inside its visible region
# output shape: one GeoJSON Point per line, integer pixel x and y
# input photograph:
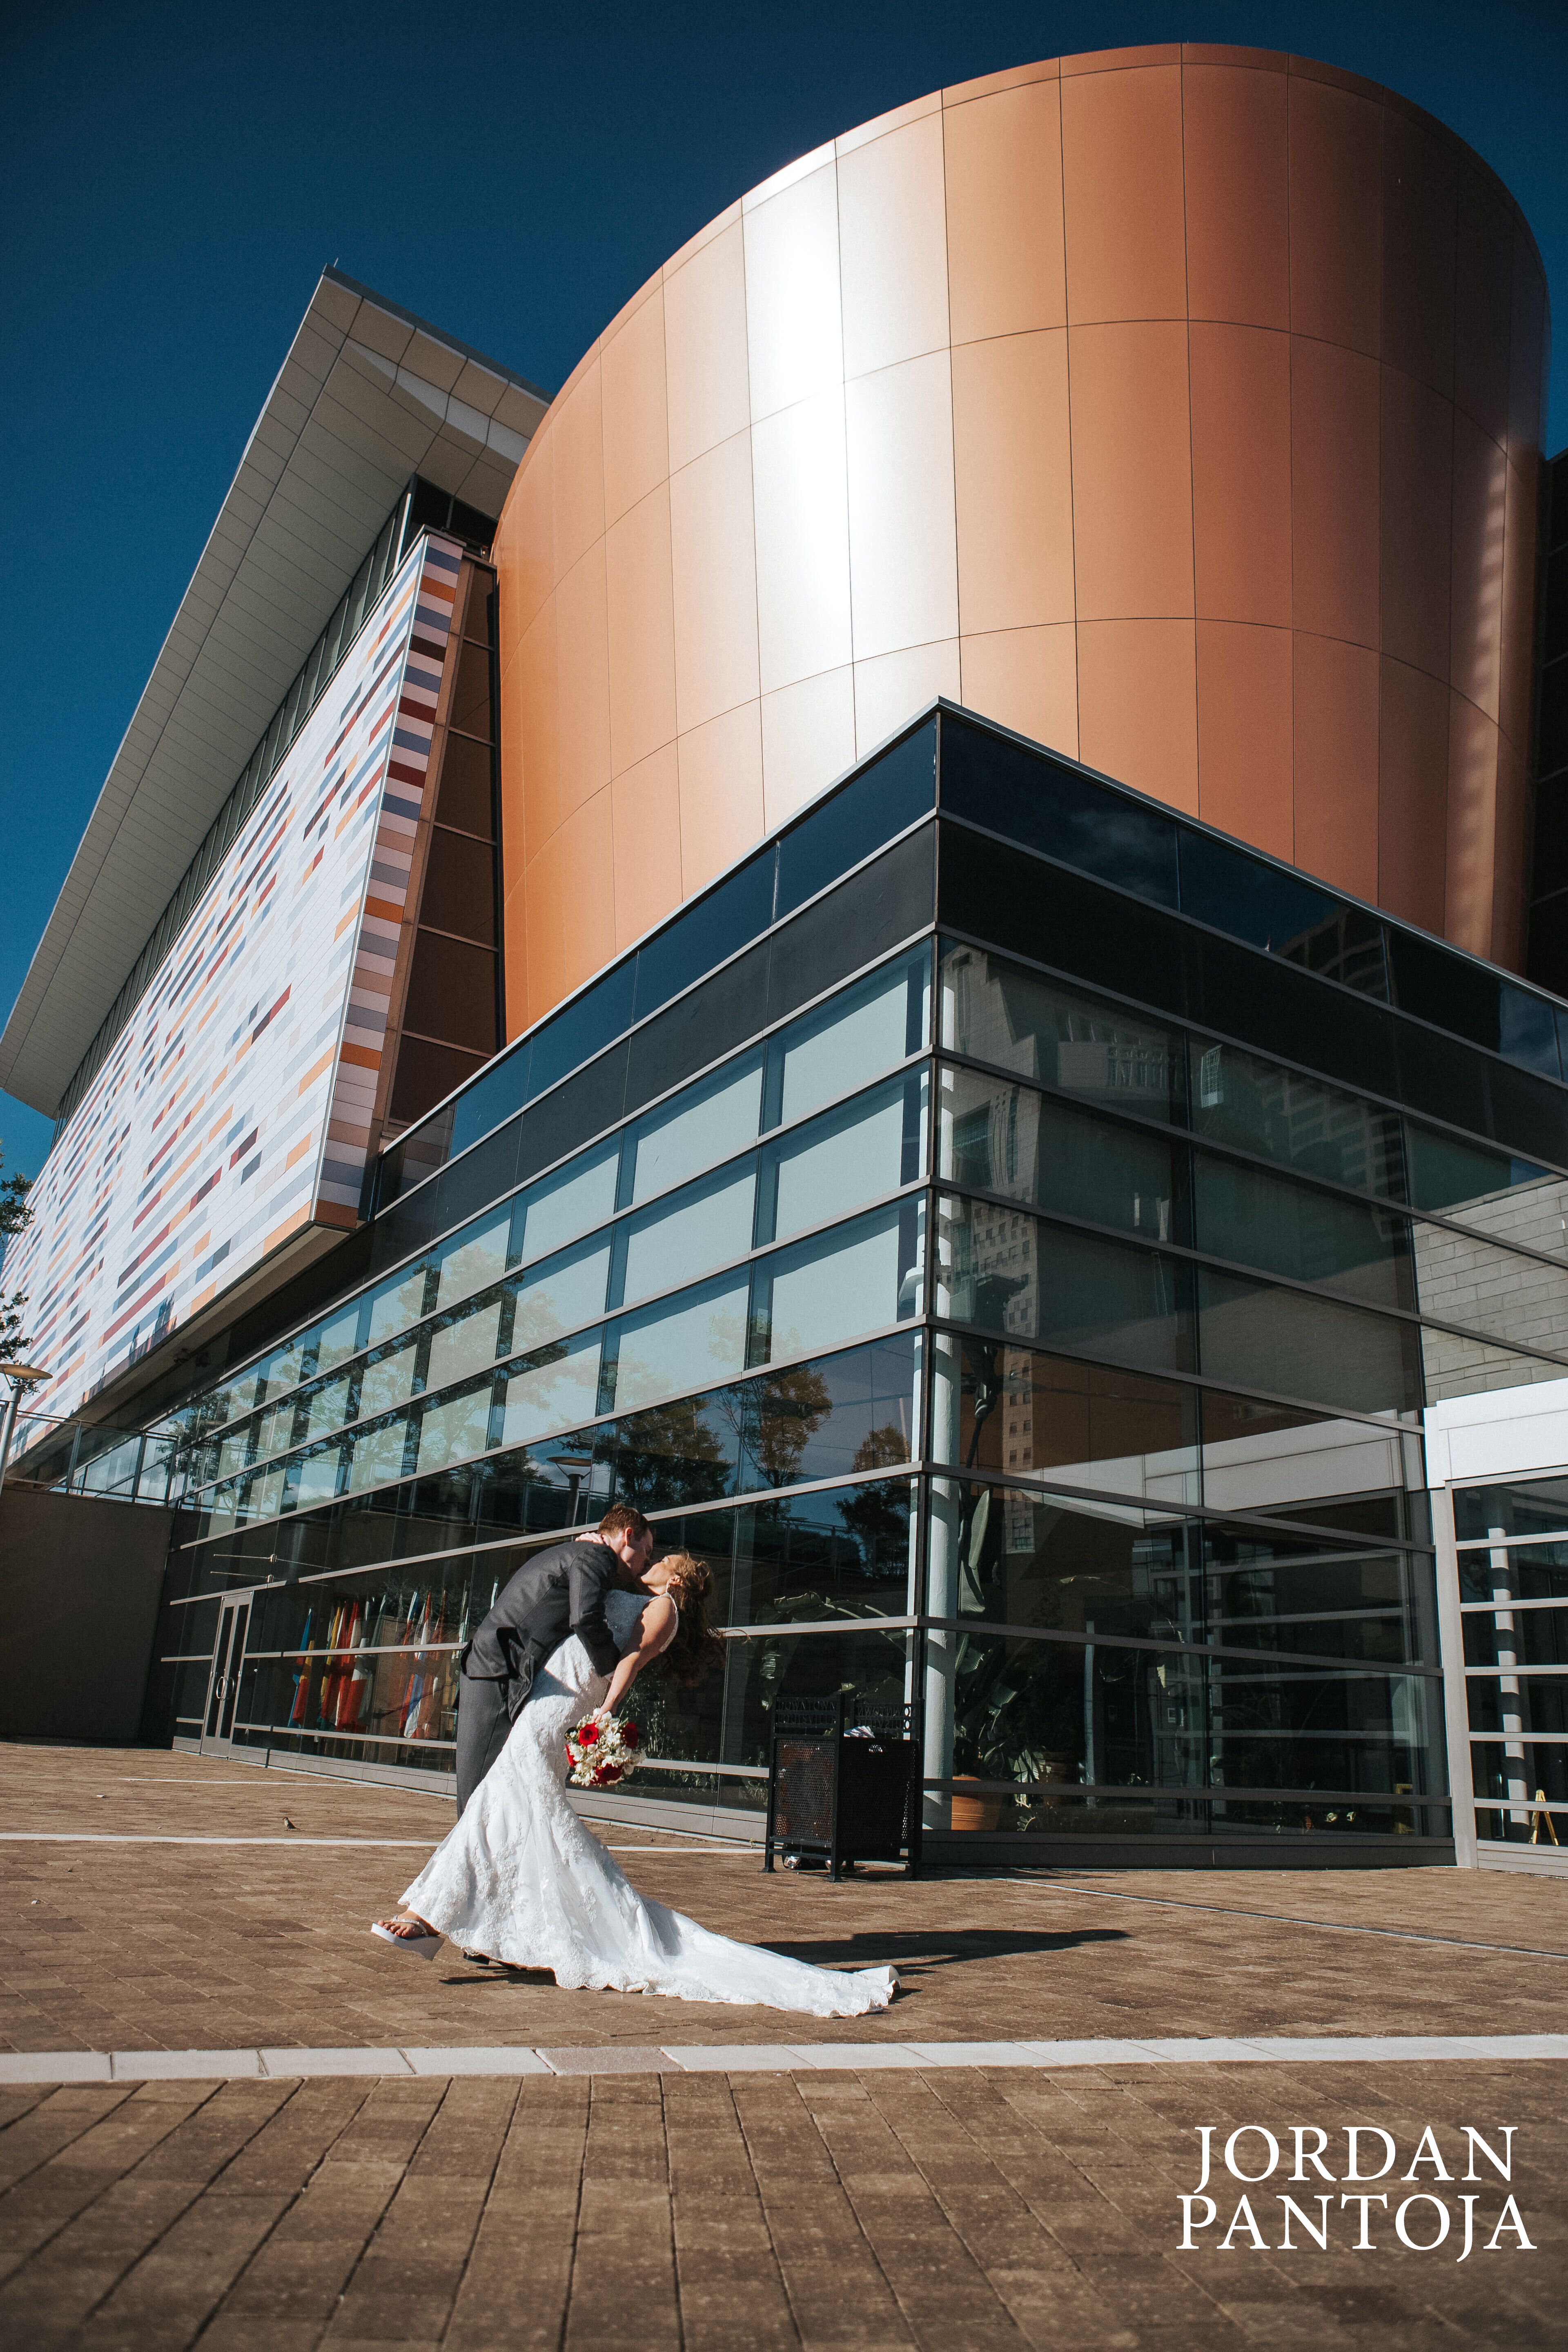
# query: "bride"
{"type": "Point", "coordinates": [521, 1879]}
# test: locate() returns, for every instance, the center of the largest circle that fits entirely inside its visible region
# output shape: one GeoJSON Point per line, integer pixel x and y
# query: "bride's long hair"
{"type": "Point", "coordinates": [696, 1647]}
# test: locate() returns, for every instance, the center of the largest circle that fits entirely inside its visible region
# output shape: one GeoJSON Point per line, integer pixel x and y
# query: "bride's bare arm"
{"type": "Point", "coordinates": [655, 1634]}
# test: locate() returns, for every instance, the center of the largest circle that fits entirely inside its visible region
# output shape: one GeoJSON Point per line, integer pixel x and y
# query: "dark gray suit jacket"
{"type": "Point", "coordinates": [553, 1593]}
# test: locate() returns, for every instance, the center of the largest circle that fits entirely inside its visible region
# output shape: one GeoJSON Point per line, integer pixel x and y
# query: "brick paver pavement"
{"type": "Point", "coordinates": [942, 2208]}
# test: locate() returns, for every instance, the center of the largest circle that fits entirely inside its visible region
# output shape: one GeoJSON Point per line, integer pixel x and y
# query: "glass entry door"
{"type": "Point", "coordinates": [217, 1724]}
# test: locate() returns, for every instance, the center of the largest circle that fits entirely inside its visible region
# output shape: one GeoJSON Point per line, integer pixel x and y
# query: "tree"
{"type": "Point", "coordinates": [15, 1216]}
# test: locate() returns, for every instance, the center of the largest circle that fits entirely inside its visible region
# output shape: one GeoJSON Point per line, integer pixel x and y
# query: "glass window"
{"type": "Point", "coordinates": [694, 1339]}
{"type": "Point", "coordinates": [263, 1494]}
{"type": "Point", "coordinates": [560, 1297]}
{"type": "Point", "coordinates": [870, 1147]}
{"type": "Point", "coordinates": [1043, 1029]}
{"type": "Point", "coordinates": [472, 1259]}
{"type": "Point", "coordinates": [1537, 1507]}
{"type": "Point", "coordinates": [276, 1430]}
{"type": "Point", "coordinates": [1012, 790]}
{"type": "Point", "coordinates": [466, 1345]}
{"type": "Point", "coordinates": [399, 1304]}
{"type": "Point", "coordinates": [235, 1451]}
{"type": "Point", "coordinates": [708, 1122]}
{"type": "Point", "coordinates": [705, 1226]}
{"type": "Point", "coordinates": [1272, 1457]}
{"type": "Point", "coordinates": [339, 1338]}
{"type": "Point", "coordinates": [1447, 1173]}
{"type": "Point", "coordinates": [1257, 1106]}
{"type": "Point", "coordinates": [328, 1408]}
{"type": "Point", "coordinates": [1523, 1573]}
{"type": "Point", "coordinates": [1265, 905]}
{"type": "Point", "coordinates": [455, 1430]}
{"type": "Point", "coordinates": [1255, 1337]}
{"type": "Point", "coordinates": [315, 1479]}
{"type": "Point", "coordinates": [1516, 1637]}
{"type": "Point", "coordinates": [761, 1671]}
{"type": "Point", "coordinates": [557, 1390]}
{"type": "Point", "coordinates": [389, 1381]}
{"type": "Point", "coordinates": [1522, 1704]}
{"type": "Point", "coordinates": [1020, 1278]}
{"type": "Point", "coordinates": [1518, 1777]}
{"type": "Point", "coordinates": [868, 810]}
{"type": "Point", "coordinates": [1003, 1137]}
{"type": "Point", "coordinates": [706, 934]}
{"type": "Point", "coordinates": [376, 1456]}
{"type": "Point", "coordinates": [842, 1552]}
{"type": "Point", "coordinates": [833, 1287]}
{"type": "Point", "coordinates": [1088, 1424]}
{"type": "Point", "coordinates": [856, 1036]}
{"type": "Point", "coordinates": [1291, 1593]}
{"type": "Point", "coordinates": [673, 1454]}
{"type": "Point", "coordinates": [573, 1202]}
{"type": "Point", "coordinates": [1020, 1558]}
{"type": "Point", "coordinates": [1245, 1214]}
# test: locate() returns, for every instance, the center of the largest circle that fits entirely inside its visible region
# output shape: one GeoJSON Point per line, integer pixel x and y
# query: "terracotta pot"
{"type": "Point", "coordinates": [974, 1812]}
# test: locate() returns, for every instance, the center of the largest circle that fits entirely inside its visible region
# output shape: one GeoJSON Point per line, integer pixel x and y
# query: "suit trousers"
{"type": "Point", "coordinates": [483, 1728]}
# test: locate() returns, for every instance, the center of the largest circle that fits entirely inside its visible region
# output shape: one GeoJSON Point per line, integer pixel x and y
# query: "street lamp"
{"type": "Point", "coordinates": [21, 1377]}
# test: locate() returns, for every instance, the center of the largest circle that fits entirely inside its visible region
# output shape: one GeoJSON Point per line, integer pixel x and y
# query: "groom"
{"type": "Point", "coordinates": [554, 1592]}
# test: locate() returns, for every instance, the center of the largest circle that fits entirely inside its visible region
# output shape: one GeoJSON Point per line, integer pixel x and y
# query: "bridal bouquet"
{"type": "Point", "coordinates": [602, 1751]}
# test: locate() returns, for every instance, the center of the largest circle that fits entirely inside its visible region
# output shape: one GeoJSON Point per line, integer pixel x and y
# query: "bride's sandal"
{"type": "Point", "coordinates": [420, 1940]}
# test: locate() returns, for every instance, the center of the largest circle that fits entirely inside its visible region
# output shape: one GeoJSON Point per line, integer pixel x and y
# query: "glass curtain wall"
{"type": "Point", "coordinates": [1513, 1607]}
{"type": "Point", "coordinates": [1033, 1325]}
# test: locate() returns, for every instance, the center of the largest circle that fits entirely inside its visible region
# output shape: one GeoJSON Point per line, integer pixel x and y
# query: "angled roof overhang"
{"type": "Point", "coordinates": [367, 396]}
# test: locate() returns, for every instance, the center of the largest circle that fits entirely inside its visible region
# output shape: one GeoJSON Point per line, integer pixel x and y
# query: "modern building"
{"type": "Point", "coordinates": [896, 929]}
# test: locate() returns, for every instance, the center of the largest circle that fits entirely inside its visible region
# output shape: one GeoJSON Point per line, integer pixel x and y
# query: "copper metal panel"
{"type": "Point", "coordinates": [1335, 730]}
{"type": "Point", "coordinates": [1420, 192]}
{"type": "Point", "coordinates": [902, 535]}
{"type": "Point", "coordinates": [808, 739]}
{"type": "Point", "coordinates": [1121, 172]}
{"type": "Point", "coordinates": [1520, 537]}
{"type": "Point", "coordinates": [1137, 706]}
{"type": "Point", "coordinates": [973, 516]}
{"type": "Point", "coordinates": [574, 869]}
{"type": "Point", "coordinates": [706, 384]}
{"type": "Point", "coordinates": [514, 930]}
{"type": "Point", "coordinates": [1237, 195]}
{"type": "Point", "coordinates": [1013, 479]}
{"type": "Point", "coordinates": [1483, 304]}
{"type": "Point", "coordinates": [1131, 469]}
{"type": "Point", "coordinates": [1417, 522]}
{"type": "Point", "coordinates": [577, 449]}
{"type": "Point", "coordinates": [1336, 215]}
{"type": "Point", "coordinates": [721, 775]}
{"type": "Point", "coordinates": [713, 554]}
{"type": "Point", "coordinates": [1333, 490]}
{"type": "Point", "coordinates": [1027, 678]}
{"type": "Point", "coordinates": [896, 686]}
{"type": "Point", "coordinates": [794, 314]}
{"type": "Point", "coordinates": [645, 834]}
{"type": "Point", "coordinates": [801, 494]}
{"type": "Point", "coordinates": [1480, 497]}
{"type": "Point", "coordinates": [1006, 267]}
{"type": "Point", "coordinates": [641, 623]}
{"type": "Point", "coordinates": [1412, 793]}
{"type": "Point", "coordinates": [631, 380]}
{"type": "Point", "coordinates": [1098, 62]}
{"type": "Point", "coordinates": [1244, 749]}
{"type": "Point", "coordinates": [1474, 746]}
{"type": "Point", "coordinates": [892, 243]}
{"type": "Point", "coordinates": [1241, 473]}
{"type": "Point", "coordinates": [583, 680]}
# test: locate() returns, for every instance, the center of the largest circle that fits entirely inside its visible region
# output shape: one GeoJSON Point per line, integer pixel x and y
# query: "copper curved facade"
{"type": "Point", "coordinates": [1178, 407]}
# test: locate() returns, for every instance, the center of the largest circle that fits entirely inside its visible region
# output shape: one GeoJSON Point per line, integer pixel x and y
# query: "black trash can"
{"type": "Point", "coordinates": [843, 1785]}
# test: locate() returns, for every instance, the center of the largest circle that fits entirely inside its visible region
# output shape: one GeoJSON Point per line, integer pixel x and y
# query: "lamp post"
{"type": "Point", "coordinates": [21, 1377]}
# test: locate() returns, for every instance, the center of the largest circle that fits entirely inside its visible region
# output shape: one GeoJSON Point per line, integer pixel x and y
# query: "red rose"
{"type": "Point", "coordinates": [588, 1733]}
{"type": "Point", "coordinates": [630, 1734]}
{"type": "Point", "coordinates": [609, 1773]}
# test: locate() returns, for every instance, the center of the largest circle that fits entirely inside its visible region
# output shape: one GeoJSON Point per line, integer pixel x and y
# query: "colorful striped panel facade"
{"type": "Point", "coordinates": [236, 1110]}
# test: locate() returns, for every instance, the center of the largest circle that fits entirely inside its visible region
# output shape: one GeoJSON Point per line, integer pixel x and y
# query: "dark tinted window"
{"type": "Point", "coordinates": [1239, 1099]}
{"type": "Point", "coordinates": [899, 787]}
{"type": "Point", "coordinates": [706, 934]}
{"type": "Point", "coordinates": [1254, 1335]}
{"type": "Point", "coordinates": [582, 1028]}
{"type": "Point", "coordinates": [1256, 1219]}
{"type": "Point", "coordinates": [459, 892]}
{"type": "Point", "coordinates": [1003, 1137]}
{"type": "Point", "coordinates": [501, 1091]}
{"type": "Point", "coordinates": [852, 925]}
{"type": "Point", "coordinates": [1221, 885]}
{"type": "Point", "coordinates": [1008, 898]}
{"type": "Point", "coordinates": [1446, 989]}
{"type": "Point", "coordinates": [1045, 1029]}
{"type": "Point", "coordinates": [1015, 790]}
{"type": "Point", "coordinates": [465, 797]}
{"type": "Point", "coordinates": [471, 709]}
{"type": "Point", "coordinates": [452, 992]}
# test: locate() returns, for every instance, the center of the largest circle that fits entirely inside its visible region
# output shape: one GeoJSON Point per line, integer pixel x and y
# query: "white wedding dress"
{"type": "Point", "coordinates": [521, 1879]}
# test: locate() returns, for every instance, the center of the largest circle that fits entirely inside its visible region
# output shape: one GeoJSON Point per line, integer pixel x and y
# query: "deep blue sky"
{"type": "Point", "coordinates": [172, 178]}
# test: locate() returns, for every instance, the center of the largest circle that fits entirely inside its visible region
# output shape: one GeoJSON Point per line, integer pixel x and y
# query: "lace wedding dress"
{"type": "Point", "coordinates": [520, 1878]}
